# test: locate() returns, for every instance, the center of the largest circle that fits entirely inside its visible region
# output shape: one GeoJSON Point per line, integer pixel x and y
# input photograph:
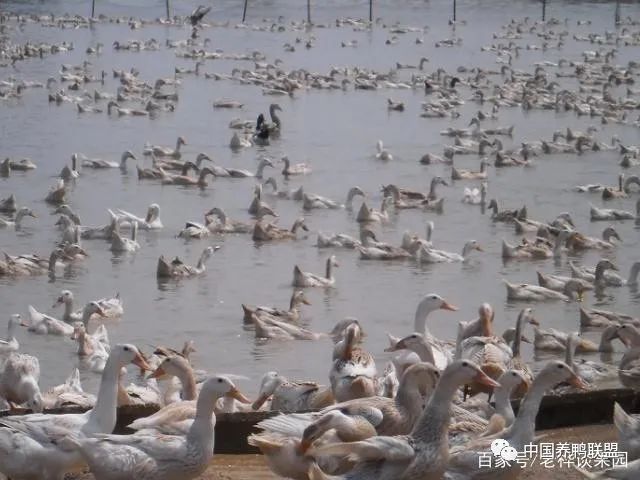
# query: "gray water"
{"type": "Point", "coordinates": [336, 133]}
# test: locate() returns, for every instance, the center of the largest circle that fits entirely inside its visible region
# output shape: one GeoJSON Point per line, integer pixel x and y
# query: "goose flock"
{"type": "Point", "coordinates": [354, 233]}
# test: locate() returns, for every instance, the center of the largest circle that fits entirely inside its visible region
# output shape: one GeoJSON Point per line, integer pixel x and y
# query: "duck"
{"type": "Point", "coordinates": [102, 164]}
{"type": "Point", "coordinates": [19, 382]}
{"type": "Point", "coordinates": [16, 224]}
{"type": "Point", "coordinates": [382, 154]}
{"type": "Point", "coordinates": [463, 462]}
{"type": "Point", "coordinates": [353, 371]}
{"type": "Point", "coordinates": [370, 215]}
{"type": "Point", "coordinates": [160, 151]}
{"type": "Point", "coordinates": [306, 279]}
{"type": "Point", "coordinates": [264, 232]}
{"type": "Point", "coordinates": [424, 452]}
{"type": "Point", "coordinates": [178, 269]}
{"type": "Point", "coordinates": [535, 293]}
{"type": "Point", "coordinates": [289, 397]}
{"type": "Point", "coordinates": [458, 174]}
{"type": "Point", "coordinates": [42, 436]}
{"type": "Point", "coordinates": [606, 214]}
{"type": "Point", "coordinates": [292, 315]}
{"type": "Point", "coordinates": [121, 244]}
{"type": "Point", "coordinates": [10, 344]}
{"type": "Point", "coordinates": [431, 255]}
{"type": "Point", "coordinates": [297, 169]}
{"type": "Point", "coordinates": [151, 221]}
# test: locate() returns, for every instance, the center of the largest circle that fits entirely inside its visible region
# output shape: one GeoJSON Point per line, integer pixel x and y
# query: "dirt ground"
{"type": "Point", "coordinates": [252, 467]}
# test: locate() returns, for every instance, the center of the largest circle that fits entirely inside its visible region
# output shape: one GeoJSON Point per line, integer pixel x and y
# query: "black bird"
{"type": "Point", "coordinates": [198, 14]}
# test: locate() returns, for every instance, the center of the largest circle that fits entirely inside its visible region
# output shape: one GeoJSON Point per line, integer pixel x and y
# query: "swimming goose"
{"type": "Point", "coordinates": [475, 196]}
{"type": "Point", "coordinates": [70, 173]}
{"type": "Point", "coordinates": [602, 275]}
{"type": "Point", "coordinates": [577, 241]}
{"type": "Point", "coordinates": [258, 208]}
{"type": "Point", "coordinates": [306, 279]}
{"type": "Point", "coordinates": [239, 173]}
{"type": "Point", "coordinates": [22, 165]}
{"type": "Point", "coordinates": [288, 397]}
{"type": "Point", "coordinates": [105, 307]}
{"type": "Point", "coordinates": [605, 214]}
{"type": "Point", "coordinates": [629, 368]}
{"type": "Point", "coordinates": [342, 240]}
{"type": "Point", "coordinates": [424, 452]}
{"type": "Point", "coordinates": [559, 282]}
{"type": "Point", "coordinates": [382, 154]}
{"type": "Point", "coordinates": [160, 151]}
{"type": "Point", "coordinates": [463, 463]}
{"type": "Point", "coordinates": [185, 180]}
{"type": "Point", "coordinates": [459, 174]}
{"type": "Point", "coordinates": [178, 269]}
{"type": "Point", "coordinates": [173, 164]}
{"type": "Point", "coordinates": [66, 210]}
{"type": "Point", "coordinates": [268, 327]}
{"type": "Point", "coordinates": [353, 371]}
{"type": "Point", "coordinates": [291, 315]}
{"type": "Point", "coordinates": [17, 222]}
{"type": "Point", "coordinates": [587, 370]}
{"type": "Point", "coordinates": [264, 231]}
{"type": "Point", "coordinates": [508, 216]}
{"type": "Point", "coordinates": [555, 340]}
{"type": "Point", "coordinates": [57, 193]}
{"type": "Point", "coordinates": [431, 255]}
{"type": "Point", "coordinates": [609, 193]}
{"type": "Point", "coordinates": [313, 201]}
{"type": "Point", "coordinates": [19, 382]}
{"type": "Point", "coordinates": [11, 343]}
{"type": "Point", "coordinates": [104, 232]}
{"type": "Point", "coordinates": [70, 393]}
{"type": "Point", "coordinates": [534, 293]}
{"type": "Point", "coordinates": [370, 215]}
{"type": "Point", "coordinates": [383, 251]}
{"type": "Point", "coordinates": [289, 194]}
{"type": "Point", "coordinates": [125, 111]}
{"type": "Point", "coordinates": [392, 191]}
{"type": "Point", "coordinates": [538, 250]}
{"type": "Point", "coordinates": [592, 317]}
{"type": "Point", "coordinates": [151, 221]}
{"type": "Point", "coordinates": [297, 169]}
{"type": "Point", "coordinates": [8, 205]}
{"type": "Point", "coordinates": [123, 244]}
{"type": "Point", "coordinates": [276, 124]}
{"type": "Point", "coordinates": [226, 224]}
{"type": "Point", "coordinates": [41, 436]}
{"type": "Point", "coordinates": [93, 352]}
{"type": "Point", "coordinates": [165, 457]}
{"type": "Point", "coordinates": [46, 325]}
{"type": "Point", "coordinates": [101, 164]}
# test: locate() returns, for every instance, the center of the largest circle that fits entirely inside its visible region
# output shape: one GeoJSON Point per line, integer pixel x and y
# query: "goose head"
{"type": "Point", "coordinates": [268, 385]}
{"type": "Point", "coordinates": [511, 379]}
{"type": "Point", "coordinates": [125, 353]}
{"type": "Point", "coordinates": [299, 298]}
{"type": "Point", "coordinates": [221, 386]}
{"type": "Point", "coordinates": [65, 297]}
{"type": "Point", "coordinates": [555, 372]}
{"type": "Point", "coordinates": [153, 213]}
{"type": "Point", "coordinates": [181, 141]}
{"type": "Point", "coordinates": [173, 366]}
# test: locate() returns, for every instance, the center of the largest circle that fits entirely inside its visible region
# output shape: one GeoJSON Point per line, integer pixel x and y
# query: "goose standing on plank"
{"type": "Point", "coordinates": [40, 436]}
{"type": "Point", "coordinates": [160, 151]}
{"type": "Point", "coordinates": [306, 279]}
{"type": "Point", "coordinates": [153, 456]}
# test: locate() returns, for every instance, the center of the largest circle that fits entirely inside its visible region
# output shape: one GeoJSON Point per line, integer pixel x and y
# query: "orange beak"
{"type": "Point", "coordinates": [304, 446]}
{"type": "Point", "coordinates": [479, 248]}
{"type": "Point", "coordinates": [306, 302]}
{"type": "Point", "coordinates": [259, 402]}
{"type": "Point", "coordinates": [236, 394]}
{"type": "Point", "coordinates": [447, 306]}
{"type": "Point", "coordinates": [483, 379]}
{"type": "Point", "coordinates": [157, 373]}
{"type": "Point", "coordinates": [141, 363]}
{"type": "Point", "coordinates": [578, 382]}
{"type": "Point", "coordinates": [100, 312]}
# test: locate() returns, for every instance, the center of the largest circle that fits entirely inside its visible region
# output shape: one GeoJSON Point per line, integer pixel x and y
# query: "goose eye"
{"type": "Point", "coordinates": [219, 380]}
{"type": "Point", "coordinates": [465, 364]}
{"type": "Point", "coordinates": [560, 366]}
{"type": "Point", "coordinates": [126, 349]}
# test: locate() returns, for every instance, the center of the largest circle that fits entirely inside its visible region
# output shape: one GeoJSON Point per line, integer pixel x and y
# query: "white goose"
{"type": "Point", "coordinates": [431, 255]}
{"type": "Point", "coordinates": [150, 222]}
{"type": "Point", "coordinates": [11, 343]}
{"type": "Point", "coordinates": [605, 214]}
{"type": "Point", "coordinates": [382, 153]}
{"type": "Point", "coordinates": [17, 223]}
{"type": "Point", "coordinates": [153, 456]}
{"type": "Point", "coordinates": [102, 164]}
{"type": "Point", "coordinates": [39, 437]}
{"type": "Point", "coordinates": [19, 382]}
{"type": "Point", "coordinates": [369, 215]}
{"type": "Point", "coordinates": [160, 151]}
{"type": "Point", "coordinates": [124, 244]}
{"type": "Point", "coordinates": [312, 201]}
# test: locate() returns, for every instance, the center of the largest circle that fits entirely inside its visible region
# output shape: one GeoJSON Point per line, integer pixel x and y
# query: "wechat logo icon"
{"type": "Point", "coordinates": [502, 449]}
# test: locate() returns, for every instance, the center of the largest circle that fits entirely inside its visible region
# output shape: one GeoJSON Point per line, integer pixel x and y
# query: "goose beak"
{"type": "Point", "coordinates": [141, 363]}
{"type": "Point", "coordinates": [236, 394]}
{"type": "Point", "coordinates": [259, 402]}
{"type": "Point", "coordinates": [398, 346]}
{"type": "Point", "coordinates": [447, 306]}
{"type": "Point", "coordinates": [31, 214]}
{"type": "Point", "coordinates": [578, 382]}
{"type": "Point", "coordinates": [58, 302]}
{"type": "Point", "coordinates": [525, 384]}
{"type": "Point", "coordinates": [484, 379]}
{"type": "Point", "coordinates": [304, 445]}
{"type": "Point", "coordinates": [306, 302]}
{"type": "Point", "coordinates": [157, 373]}
{"type": "Point", "coordinates": [479, 248]}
